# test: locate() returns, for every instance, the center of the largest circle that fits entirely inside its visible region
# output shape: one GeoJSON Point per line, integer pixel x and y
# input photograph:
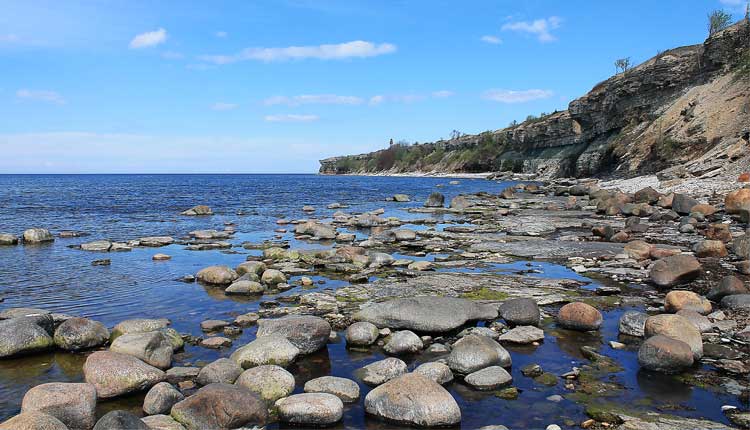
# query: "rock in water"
{"type": "Point", "coordinates": [382, 371]}
{"type": "Point", "coordinates": [675, 327]}
{"type": "Point", "coordinates": [223, 371]}
{"type": "Point", "coordinates": [523, 335]}
{"type": "Point", "coordinates": [403, 342]}
{"type": "Point", "coordinates": [19, 336]}
{"type": "Point", "coordinates": [361, 334]}
{"type": "Point", "coordinates": [217, 275]}
{"type": "Point", "coordinates": [114, 374]}
{"type": "Point", "coordinates": [438, 372]}
{"type": "Point", "coordinates": [73, 404]}
{"type": "Point", "coordinates": [425, 313]}
{"type": "Point", "coordinates": [198, 211]}
{"type": "Point", "coordinates": [162, 422]}
{"type": "Point", "coordinates": [308, 333]}
{"type": "Point", "coordinates": [311, 409]}
{"type": "Point", "coordinates": [489, 378]}
{"type": "Point", "coordinates": [8, 239]}
{"type": "Point", "coordinates": [269, 382]}
{"type": "Point", "coordinates": [266, 350]}
{"type": "Point", "coordinates": [523, 311]}
{"type": "Point", "coordinates": [435, 200]}
{"type": "Point", "coordinates": [221, 406]}
{"type": "Point", "coordinates": [632, 323]}
{"type": "Point", "coordinates": [345, 389]}
{"type": "Point", "coordinates": [413, 399]}
{"type": "Point", "coordinates": [140, 325]}
{"type": "Point", "coordinates": [475, 352]}
{"type": "Point", "coordinates": [33, 421]}
{"type": "Point", "coordinates": [579, 316]}
{"type": "Point", "coordinates": [664, 354]}
{"type": "Point", "coordinates": [160, 399]}
{"type": "Point", "coordinates": [152, 347]}
{"type": "Point", "coordinates": [120, 420]}
{"type": "Point", "coordinates": [77, 334]}
{"type": "Point", "coordinates": [675, 270]}
{"type": "Point", "coordinates": [37, 235]}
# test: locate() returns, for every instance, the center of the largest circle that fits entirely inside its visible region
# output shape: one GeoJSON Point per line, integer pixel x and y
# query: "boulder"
{"type": "Point", "coordinates": [97, 246]}
{"type": "Point", "coordinates": [266, 350]}
{"type": "Point", "coordinates": [425, 313]}
{"type": "Point", "coordinates": [646, 195]}
{"type": "Point", "coordinates": [379, 259]}
{"type": "Point", "coordinates": [435, 200]}
{"type": "Point", "coordinates": [152, 347]}
{"type": "Point", "coordinates": [404, 235]}
{"type": "Point", "coordinates": [155, 241]}
{"type": "Point", "coordinates": [37, 235]}
{"type": "Point", "coordinates": [475, 352]}
{"type": "Point", "coordinates": [382, 371]}
{"type": "Point", "coordinates": [114, 374]}
{"type": "Point", "coordinates": [638, 250]}
{"type": "Point", "coordinates": [403, 342]}
{"type": "Point", "coordinates": [632, 323]}
{"type": "Point", "coordinates": [522, 311]}
{"type": "Point", "coordinates": [675, 270]}
{"type": "Point", "coordinates": [78, 334]}
{"type": "Point", "coordinates": [699, 321]}
{"type": "Point", "coordinates": [735, 200]}
{"type": "Point", "coordinates": [413, 399]}
{"type": "Point", "coordinates": [162, 422]}
{"type": "Point", "coordinates": [710, 249]}
{"type": "Point", "coordinates": [683, 204]}
{"type": "Point", "coordinates": [306, 332]}
{"type": "Point", "coordinates": [401, 198]}
{"type": "Point", "coordinates": [120, 420]}
{"type": "Point", "coordinates": [198, 211]}
{"type": "Point", "coordinates": [728, 286]}
{"type": "Point", "coordinates": [677, 300]}
{"type": "Point", "coordinates": [316, 230]}
{"type": "Point", "coordinates": [523, 335]}
{"type": "Point", "coordinates": [345, 389]}
{"type": "Point", "coordinates": [420, 266]}
{"type": "Point", "coordinates": [8, 239]}
{"type": "Point", "coordinates": [675, 327]}
{"type": "Point", "coordinates": [221, 406]}
{"type": "Point", "coordinates": [435, 371]}
{"type": "Point", "coordinates": [178, 374]}
{"type": "Point", "coordinates": [217, 275]}
{"type": "Point", "coordinates": [160, 399]}
{"type": "Point", "coordinates": [245, 288]}
{"type": "Point", "coordinates": [140, 325]}
{"type": "Point", "coordinates": [459, 203]}
{"type": "Point", "coordinates": [579, 316]}
{"type": "Point", "coordinates": [273, 277]}
{"type": "Point", "coordinates": [73, 404]}
{"type": "Point", "coordinates": [489, 378]}
{"type": "Point", "coordinates": [311, 409]}
{"type": "Point", "coordinates": [361, 334]}
{"type": "Point", "coordinates": [270, 382]}
{"type": "Point", "coordinates": [253, 267]}
{"type": "Point", "coordinates": [736, 302]}
{"type": "Point", "coordinates": [223, 370]}
{"type": "Point", "coordinates": [20, 336]}
{"type": "Point", "coordinates": [663, 354]}
{"type": "Point", "coordinates": [33, 421]}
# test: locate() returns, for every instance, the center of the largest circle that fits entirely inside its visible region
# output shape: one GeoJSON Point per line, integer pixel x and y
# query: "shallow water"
{"type": "Point", "coordinates": [123, 207]}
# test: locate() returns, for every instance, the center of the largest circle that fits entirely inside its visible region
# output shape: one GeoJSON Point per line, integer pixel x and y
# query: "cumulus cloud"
{"type": "Point", "coordinates": [354, 49]}
{"type": "Point", "coordinates": [222, 106]}
{"type": "Point", "coordinates": [307, 99]}
{"type": "Point", "coordinates": [493, 40]}
{"type": "Point", "coordinates": [541, 28]}
{"type": "Point", "coordinates": [148, 39]}
{"type": "Point", "coordinates": [291, 118]}
{"type": "Point", "coordinates": [516, 96]}
{"type": "Point", "coordinates": [41, 95]}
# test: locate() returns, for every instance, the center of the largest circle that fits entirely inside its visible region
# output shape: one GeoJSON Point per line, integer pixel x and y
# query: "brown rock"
{"type": "Point", "coordinates": [728, 286]}
{"type": "Point", "coordinates": [658, 253]}
{"type": "Point", "coordinates": [675, 270]}
{"type": "Point", "coordinates": [734, 200]}
{"type": "Point", "coordinates": [33, 421]}
{"type": "Point", "coordinates": [678, 300]}
{"type": "Point", "coordinates": [638, 250]}
{"type": "Point", "coordinates": [114, 374]}
{"type": "Point", "coordinates": [718, 232]}
{"type": "Point", "coordinates": [675, 327]}
{"type": "Point", "coordinates": [710, 249]}
{"type": "Point", "coordinates": [220, 406]}
{"type": "Point", "coordinates": [579, 316]}
{"type": "Point", "coordinates": [705, 209]}
{"type": "Point", "coordinates": [663, 354]}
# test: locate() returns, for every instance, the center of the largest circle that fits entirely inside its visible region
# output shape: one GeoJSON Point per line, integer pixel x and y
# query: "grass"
{"type": "Point", "coordinates": [485, 294]}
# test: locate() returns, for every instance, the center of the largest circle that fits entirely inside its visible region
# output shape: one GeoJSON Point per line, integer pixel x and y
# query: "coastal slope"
{"type": "Point", "coordinates": [684, 112]}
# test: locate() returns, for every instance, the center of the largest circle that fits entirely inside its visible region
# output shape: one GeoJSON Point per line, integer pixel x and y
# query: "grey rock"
{"type": "Point", "coordinates": [382, 371]}
{"type": "Point", "coordinates": [33, 421]}
{"type": "Point", "coordinates": [435, 200]}
{"type": "Point", "coordinates": [435, 371]}
{"type": "Point", "coordinates": [37, 235]}
{"type": "Point", "coordinates": [736, 302]}
{"type": "Point", "coordinates": [273, 277]}
{"type": "Point", "coordinates": [663, 354]}
{"type": "Point", "coordinates": [699, 321]}
{"type": "Point", "coordinates": [245, 288]}
{"type": "Point", "coordinates": [120, 420]}
{"type": "Point", "coordinates": [8, 239]}
{"type": "Point", "coordinates": [221, 406]}
{"type": "Point", "coordinates": [217, 275]}
{"type": "Point", "coordinates": [728, 286]}
{"type": "Point", "coordinates": [160, 399]}
{"type": "Point", "coordinates": [682, 204]}
{"type": "Point", "coordinates": [266, 350]}
{"type": "Point", "coordinates": [523, 335]}
{"type": "Point", "coordinates": [20, 336]}
{"type": "Point", "coordinates": [311, 409]}
{"type": "Point", "coordinates": [474, 352]}
{"type": "Point", "coordinates": [270, 382]}
{"type": "Point", "coordinates": [114, 374]}
{"type": "Point", "coordinates": [139, 325]}
{"type": "Point", "coordinates": [404, 342]}
{"type": "Point", "coordinates": [152, 347]}
{"type": "Point", "coordinates": [223, 370]}
{"type": "Point", "coordinates": [632, 323]}
{"type": "Point", "coordinates": [178, 374]}
{"type": "Point", "coordinates": [361, 334]}
{"type": "Point", "coordinates": [97, 246]}
{"type": "Point", "coordinates": [162, 422]}
{"type": "Point", "coordinates": [489, 378]}
{"type": "Point", "coordinates": [345, 389]}
{"type": "Point", "coordinates": [308, 333]}
{"type": "Point", "coordinates": [522, 311]}
{"type": "Point", "coordinates": [73, 404]}
{"type": "Point", "coordinates": [78, 334]}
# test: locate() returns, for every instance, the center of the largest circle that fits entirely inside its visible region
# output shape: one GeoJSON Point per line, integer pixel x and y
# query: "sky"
{"type": "Point", "coordinates": [273, 86]}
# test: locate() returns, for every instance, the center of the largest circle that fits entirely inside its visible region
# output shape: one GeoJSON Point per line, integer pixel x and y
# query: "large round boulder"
{"type": "Point", "coordinates": [71, 403]}
{"type": "Point", "coordinates": [523, 311]}
{"type": "Point", "coordinates": [489, 378]}
{"type": "Point", "coordinates": [153, 347]}
{"type": "Point", "coordinates": [272, 349]}
{"type": "Point", "coordinates": [382, 371]}
{"type": "Point", "coordinates": [728, 286]}
{"type": "Point", "coordinates": [435, 200]}
{"type": "Point", "coordinates": [120, 420]}
{"type": "Point", "coordinates": [475, 352]}
{"type": "Point", "coordinates": [579, 316]}
{"type": "Point", "coordinates": [735, 200]}
{"type": "Point", "coordinates": [678, 300]}
{"type": "Point", "coordinates": [345, 389]}
{"type": "Point", "coordinates": [413, 399]}
{"type": "Point", "coordinates": [306, 332]}
{"type": "Point", "coordinates": [683, 204]}
{"type": "Point", "coordinates": [33, 421]}
{"type": "Point", "coordinates": [361, 334]}
{"type": "Point", "coordinates": [675, 270]}
{"type": "Point", "coordinates": [114, 374]}
{"type": "Point", "coordinates": [138, 325]}
{"type": "Point", "coordinates": [675, 327]}
{"type": "Point", "coordinates": [663, 354]}
{"type": "Point", "coordinates": [217, 275]}
{"type": "Point", "coordinates": [632, 323]}
{"type": "Point", "coordinates": [438, 372]}
{"type": "Point", "coordinates": [160, 399]}
{"type": "Point", "coordinates": [223, 370]}
{"type": "Point", "coordinates": [76, 334]}
{"type": "Point", "coordinates": [270, 382]}
{"type": "Point", "coordinates": [221, 406]}
{"type": "Point", "coordinates": [403, 342]}
{"type": "Point", "coordinates": [20, 336]}
{"type": "Point", "coordinates": [311, 409]}
{"type": "Point", "coordinates": [273, 277]}
{"type": "Point", "coordinates": [253, 267]}
{"type": "Point", "coordinates": [245, 288]}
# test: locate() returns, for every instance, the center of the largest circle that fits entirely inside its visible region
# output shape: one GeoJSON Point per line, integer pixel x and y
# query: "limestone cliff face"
{"type": "Point", "coordinates": [684, 107]}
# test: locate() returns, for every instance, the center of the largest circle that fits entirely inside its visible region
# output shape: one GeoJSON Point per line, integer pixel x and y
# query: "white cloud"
{"type": "Point", "coordinates": [395, 98]}
{"type": "Point", "coordinates": [222, 106]}
{"type": "Point", "coordinates": [41, 95]}
{"type": "Point", "coordinates": [541, 28]}
{"type": "Point", "coordinates": [221, 34]}
{"type": "Point", "coordinates": [148, 39]}
{"type": "Point", "coordinates": [291, 118]}
{"type": "Point", "coordinates": [443, 94]}
{"type": "Point", "coordinates": [354, 49]}
{"type": "Point", "coordinates": [493, 40]}
{"type": "Point", "coordinates": [516, 96]}
{"type": "Point", "coordinates": [307, 99]}
{"type": "Point", "coordinates": [170, 55]}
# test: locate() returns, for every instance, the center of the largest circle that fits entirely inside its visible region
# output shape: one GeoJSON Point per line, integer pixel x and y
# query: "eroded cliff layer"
{"type": "Point", "coordinates": [686, 110]}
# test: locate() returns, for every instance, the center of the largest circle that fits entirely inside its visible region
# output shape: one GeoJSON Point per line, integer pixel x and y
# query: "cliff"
{"type": "Point", "coordinates": [686, 110]}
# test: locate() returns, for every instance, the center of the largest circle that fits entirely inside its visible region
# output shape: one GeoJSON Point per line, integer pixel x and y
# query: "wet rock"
{"type": "Point", "coordinates": [728, 286]}
{"type": "Point", "coordinates": [266, 350]}
{"type": "Point", "coordinates": [361, 334]}
{"type": "Point", "coordinates": [316, 230]}
{"type": "Point", "coordinates": [213, 325]}
{"type": "Point", "coordinates": [523, 335]}
{"type": "Point", "coordinates": [404, 235]}
{"type": "Point", "coordinates": [632, 323]}
{"type": "Point", "coordinates": [152, 347]}
{"type": "Point", "coordinates": [273, 277]}
{"type": "Point", "coordinates": [223, 370]}
{"type": "Point", "coordinates": [522, 311]}
{"type": "Point", "coordinates": [311, 409]}
{"type": "Point", "coordinates": [120, 420]}
{"type": "Point", "coordinates": [425, 313]}
{"type": "Point", "coordinates": [459, 203]}
{"type": "Point", "coordinates": [435, 371]}
{"type": "Point", "coordinates": [8, 239]}
{"type": "Point", "coordinates": [308, 333]}
{"type": "Point", "coordinates": [162, 422]}
{"type": "Point", "coordinates": [161, 257]}
{"type": "Point", "coordinates": [401, 198]}
{"type": "Point", "coordinates": [420, 266]}
{"type": "Point", "coordinates": [380, 259]}
{"type": "Point", "coordinates": [678, 300]}
{"type": "Point", "coordinates": [73, 404]}
{"type": "Point", "coordinates": [160, 399]}
{"type": "Point", "coordinates": [345, 389]}
{"type": "Point", "coordinates": [489, 378]}
{"type": "Point", "coordinates": [254, 267]}
{"type": "Point", "coordinates": [404, 342]}
{"type": "Point", "coordinates": [179, 374]}
{"type": "Point", "coordinates": [683, 204]}
{"type": "Point", "coordinates": [435, 200]}
{"type": "Point", "coordinates": [216, 342]}
{"type": "Point", "coordinates": [245, 288]}
{"type": "Point", "coordinates": [221, 406]}
{"type": "Point", "coordinates": [663, 354]}
{"type": "Point", "coordinates": [114, 374]}
{"type": "Point", "coordinates": [675, 327]}
{"type": "Point", "coordinates": [199, 210]}
{"type": "Point", "coordinates": [710, 249]}
{"type": "Point", "coordinates": [270, 382]}
{"type": "Point", "coordinates": [579, 316]}
{"type": "Point", "coordinates": [717, 351]}
{"type": "Point", "coordinates": [20, 336]}
{"type": "Point", "coordinates": [37, 235]}
{"type": "Point", "coordinates": [138, 326]}
{"type": "Point", "coordinates": [735, 200]}
{"type": "Point", "coordinates": [474, 352]}
{"type": "Point", "coordinates": [413, 399]}
{"type": "Point", "coordinates": [736, 302]}
{"type": "Point", "coordinates": [217, 275]}
{"type": "Point", "coordinates": [382, 371]}
{"type": "Point", "coordinates": [699, 321]}
{"type": "Point", "coordinates": [33, 421]}
{"type": "Point", "coordinates": [78, 334]}
{"type": "Point", "coordinates": [155, 241]}
{"type": "Point", "coordinates": [247, 319]}
{"type": "Point", "coordinates": [675, 270]}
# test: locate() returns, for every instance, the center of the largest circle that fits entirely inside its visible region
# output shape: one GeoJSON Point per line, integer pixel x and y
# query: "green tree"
{"type": "Point", "coordinates": [718, 20]}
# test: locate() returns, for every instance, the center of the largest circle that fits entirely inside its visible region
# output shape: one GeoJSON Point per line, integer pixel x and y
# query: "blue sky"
{"type": "Point", "coordinates": [272, 86]}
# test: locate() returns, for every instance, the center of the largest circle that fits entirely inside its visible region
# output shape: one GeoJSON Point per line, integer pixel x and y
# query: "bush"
{"type": "Point", "coordinates": [718, 20]}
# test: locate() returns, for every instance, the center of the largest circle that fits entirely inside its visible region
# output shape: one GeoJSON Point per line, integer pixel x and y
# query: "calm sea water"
{"type": "Point", "coordinates": [123, 207]}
